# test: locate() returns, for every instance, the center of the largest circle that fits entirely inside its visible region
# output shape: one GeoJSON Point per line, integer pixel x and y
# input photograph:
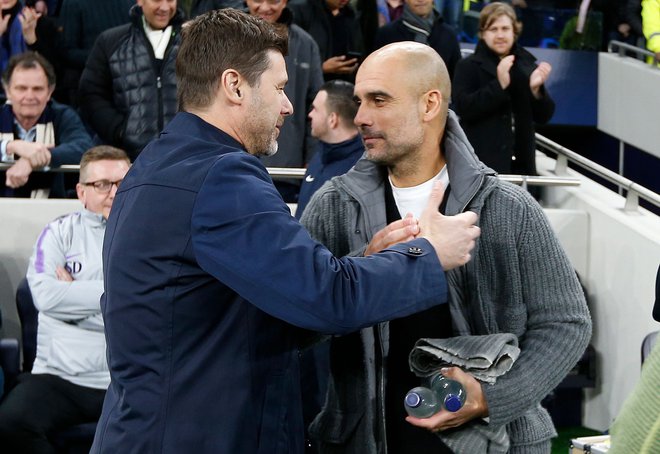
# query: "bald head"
{"type": "Point", "coordinates": [417, 66]}
{"type": "Point", "coordinates": [403, 92]}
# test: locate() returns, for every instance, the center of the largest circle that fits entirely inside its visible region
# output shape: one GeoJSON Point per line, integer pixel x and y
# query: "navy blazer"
{"type": "Point", "coordinates": [207, 279]}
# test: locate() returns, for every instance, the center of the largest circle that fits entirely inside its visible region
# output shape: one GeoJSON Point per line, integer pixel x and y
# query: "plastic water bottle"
{"type": "Point", "coordinates": [423, 402]}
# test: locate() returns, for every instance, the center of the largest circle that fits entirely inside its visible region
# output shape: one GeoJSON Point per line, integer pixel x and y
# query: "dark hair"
{"type": "Point", "coordinates": [341, 99]}
{"type": "Point", "coordinates": [491, 12]}
{"type": "Point", "coordinates": [220, 40]}
{"type": "Point", "coordinates": [29, 60]}
{"type": "Point", "coordinates": [101, 153]}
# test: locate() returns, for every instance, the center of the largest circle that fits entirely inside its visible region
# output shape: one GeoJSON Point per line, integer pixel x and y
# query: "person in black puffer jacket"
{"type": "Point", "coordinates": [128, 87]}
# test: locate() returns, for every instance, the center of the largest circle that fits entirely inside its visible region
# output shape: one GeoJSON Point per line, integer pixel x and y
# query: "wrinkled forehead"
{"type": "Point", "coordinates": [106, 169]}
{"type": "Point", "coordinates": [385, 73]}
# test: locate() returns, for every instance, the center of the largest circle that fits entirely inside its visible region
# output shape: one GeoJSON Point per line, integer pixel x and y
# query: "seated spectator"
{"type": "Point", "coordinates": [340, 146]}
{"type": "Point", "coordinates": [82, 22]}
{"type": "Point", "coordinates": [498, 86]}
{"type": "Point", "coordinates": [70, 373]}
{"type": "Point", "coordinates": [336, 29]}
{"type": "Point", "coordinates": [421, 23]}
{"type": "Point", "coordinates": [36, 132]}
{"type": "Point", "coordinates": [202, 6]}
{"type": "Point", "coordinates": [303, 65]}
{"type": "Point", "coordinates": [128, 88]}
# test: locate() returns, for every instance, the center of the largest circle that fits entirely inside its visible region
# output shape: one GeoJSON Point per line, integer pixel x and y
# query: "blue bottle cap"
{"type": "Point", "coordinates": [453, 402]}
{"type": "Point", "coordinates": [413, 399]}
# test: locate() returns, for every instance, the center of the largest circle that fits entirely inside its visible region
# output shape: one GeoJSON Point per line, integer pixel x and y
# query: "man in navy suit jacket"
{"type": "Point", "coordinates": [208, 277]}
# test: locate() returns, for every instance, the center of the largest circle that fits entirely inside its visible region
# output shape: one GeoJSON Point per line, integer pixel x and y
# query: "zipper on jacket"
{"type": "Point", "coordinates": [379, 341]}
{"type": "Point", "coordinates": [159, 89]}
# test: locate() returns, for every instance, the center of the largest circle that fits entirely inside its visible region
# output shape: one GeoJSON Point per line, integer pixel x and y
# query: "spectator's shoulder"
{"type": "Point", "coordinates": [62, 225]}
{"type": "Point", "coordinates": [62, 111]}
{"type": "Point", "coordinates": [111, 38]}
{"type": "Point", "coordinates": [299, 33]}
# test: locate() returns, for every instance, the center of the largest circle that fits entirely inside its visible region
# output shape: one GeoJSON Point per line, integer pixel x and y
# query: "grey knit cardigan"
{"type": "Point", "coordinates": [519, 281]}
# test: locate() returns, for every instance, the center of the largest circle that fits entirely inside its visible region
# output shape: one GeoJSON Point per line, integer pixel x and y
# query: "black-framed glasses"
{"type": "Point", "coordinates": [103, 186]}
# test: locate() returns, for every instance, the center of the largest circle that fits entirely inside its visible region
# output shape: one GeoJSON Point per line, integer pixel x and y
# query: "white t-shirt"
{"type": "Point", "coordinates": [413, 200]}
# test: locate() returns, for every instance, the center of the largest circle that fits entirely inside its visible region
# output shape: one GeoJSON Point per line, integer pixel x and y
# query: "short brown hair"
{"type": "Point", "coordinates": [491, 12]}
{"type": "Point", "coordinates": [101, 153]}
{"type": "Point", "coordinates": [340, 99]}
{"type": "Point", "coordinates": [28, 60]}
{"type": "Point", "coordinates": [220, 40]}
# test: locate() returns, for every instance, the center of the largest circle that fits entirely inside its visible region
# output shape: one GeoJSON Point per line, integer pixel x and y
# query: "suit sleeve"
{"type": "Point", "coordinates": [68, 301]}
{"type": "Point", "coordinates": [260, 251]}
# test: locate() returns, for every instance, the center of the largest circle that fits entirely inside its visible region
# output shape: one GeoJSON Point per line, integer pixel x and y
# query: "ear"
{"type": "Point", "coordinates": [80, 191]}
{"type": "Point", "coordinates": [231, 84]}
{"type": "Point", "coordinates": [432, 105]}
{"type": "Point", "coordinates": [333, 120]}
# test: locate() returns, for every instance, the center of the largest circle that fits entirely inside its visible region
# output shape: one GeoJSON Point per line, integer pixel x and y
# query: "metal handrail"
{"type": "Point", "coordinates": [623, 47]}
{"type": "Point", "coordinates": [298, 173]}
{"type": "Point", "coordinates": [634, 190]}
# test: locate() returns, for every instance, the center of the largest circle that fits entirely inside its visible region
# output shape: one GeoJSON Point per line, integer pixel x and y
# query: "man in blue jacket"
{"type": "Point", "coordinates": [36, 132]}
{"type": "Point", "coordinates": [340, 146]}
{"type": "Point", "coordinates": [208, 277]}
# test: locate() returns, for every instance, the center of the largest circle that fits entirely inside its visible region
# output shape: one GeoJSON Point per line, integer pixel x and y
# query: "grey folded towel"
{"type": "Point", "coordinates": [486, 358]}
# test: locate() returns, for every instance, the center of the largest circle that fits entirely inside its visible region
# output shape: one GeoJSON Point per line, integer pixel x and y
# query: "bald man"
{"type": "Point", "coordinates": [519, 280]}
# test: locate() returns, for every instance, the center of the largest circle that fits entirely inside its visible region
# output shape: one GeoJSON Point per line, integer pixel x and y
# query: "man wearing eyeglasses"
{"type": "Point", "coordinates": [70, 373]}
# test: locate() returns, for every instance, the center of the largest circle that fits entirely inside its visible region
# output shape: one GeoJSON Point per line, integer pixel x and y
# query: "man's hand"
{"type": "Point", "coordinates": [28, 18]}
{"type": "Point", "coordinates": [37, 153]}
{"type": "Point", "coordinates": [624, 29]}
{"type": "Point", "coordinates": [475, 405]}
{"type": "Point", "coordinates": [538, 78]}
{"type": "Point", "coordinates": [63, 275]}
{"type": "Point", "coordinates": [503, 68]}
{"type": "Point", "coordinates": [340, 65]}
{"type": "Point", "coordinates": [397, 232]}
{"type": "Point", "coordinates": [452, 237]}
{"type": "Point", "coordinates": [17, 175]}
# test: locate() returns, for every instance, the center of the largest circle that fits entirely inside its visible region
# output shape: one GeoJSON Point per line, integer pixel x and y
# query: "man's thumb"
{"type": "Point", "coordinates": [437, 194]}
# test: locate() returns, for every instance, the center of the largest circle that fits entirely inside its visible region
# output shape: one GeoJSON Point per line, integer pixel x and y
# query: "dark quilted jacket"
{"type": "Point", "coordinates": [126, 96]}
